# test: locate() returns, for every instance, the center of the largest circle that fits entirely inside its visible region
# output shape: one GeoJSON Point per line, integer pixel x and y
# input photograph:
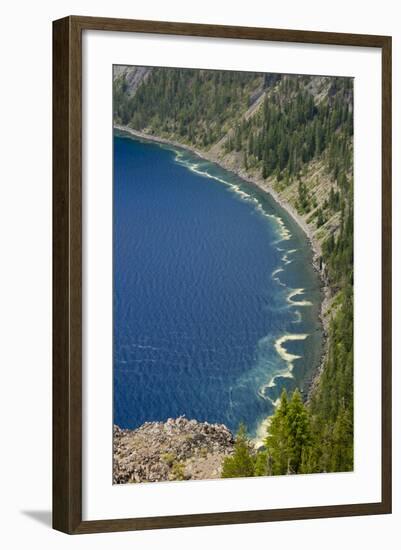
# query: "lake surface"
{"type": "Point", "coordinates": [215, 300]}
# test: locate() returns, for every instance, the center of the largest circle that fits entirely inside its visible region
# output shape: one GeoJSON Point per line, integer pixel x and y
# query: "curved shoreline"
{"type": "Point", "coordinates": [297, 218]}
{"type": "Point", "coordinates": [315, 245]}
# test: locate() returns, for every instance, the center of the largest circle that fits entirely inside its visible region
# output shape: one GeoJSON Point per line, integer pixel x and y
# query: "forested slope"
{"type": "Point", "coordinates": [292, 134]}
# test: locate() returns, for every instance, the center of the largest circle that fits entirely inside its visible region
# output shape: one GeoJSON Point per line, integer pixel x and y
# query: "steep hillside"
{"type": "Point", "coordinates": [292, 133]}
{"type": "Point", "coordinates": [293, 136]}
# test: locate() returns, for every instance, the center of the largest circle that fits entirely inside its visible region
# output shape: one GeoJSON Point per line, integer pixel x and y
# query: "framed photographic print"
{"type": "Point", "coordinates": [222, 274]}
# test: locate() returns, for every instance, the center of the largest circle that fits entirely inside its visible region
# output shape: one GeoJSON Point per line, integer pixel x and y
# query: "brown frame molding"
{"type": "Point", "coordinates": [67, 274]}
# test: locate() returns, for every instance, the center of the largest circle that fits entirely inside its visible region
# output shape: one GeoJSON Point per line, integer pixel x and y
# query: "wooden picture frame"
{"type": "Point", "coordinates": [67, 273]}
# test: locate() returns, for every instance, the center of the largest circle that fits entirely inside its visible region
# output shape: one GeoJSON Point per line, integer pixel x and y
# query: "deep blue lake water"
{"type": "Point", "coordinates": [215, 300]}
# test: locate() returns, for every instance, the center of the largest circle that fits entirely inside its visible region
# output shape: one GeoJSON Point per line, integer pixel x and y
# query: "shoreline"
{"type": "Point", "coordinates": [316, 249]}
{"type": "Point", "coordinates": [265, 187]}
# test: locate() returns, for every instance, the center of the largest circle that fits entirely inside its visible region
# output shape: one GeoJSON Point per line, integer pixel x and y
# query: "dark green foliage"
{"type": "Point", "coordinates": [303, 202]}
{"type": "Point", "coordinates": [288, 441]}
{"type": "Point", "coordinates": [332, 404]}
{"type": "Point", "coordinates": [334, 200]}
{"type": "Point", "coordinates": [289, 130]}
{"type": "Point", "coordinates": [299, 436]}
{"type": "Point", "coordinates": [262, 465]}
{"type": "Point", "coordinates": [320, 218]}
{"type": "Point", "coordinates": [195, 106]}
{"type": "Point", "coordinates": [277, 440]}
{"type": "Point", "coordinates": [296, 125]}
{"type": "Point", "coordinates": [289, 437]}
{"type": "Point", "coordinates": [241, 463]}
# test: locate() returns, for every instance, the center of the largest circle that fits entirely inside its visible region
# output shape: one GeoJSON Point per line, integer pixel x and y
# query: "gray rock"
{"type": "Point", "coordinates": [176, 449]}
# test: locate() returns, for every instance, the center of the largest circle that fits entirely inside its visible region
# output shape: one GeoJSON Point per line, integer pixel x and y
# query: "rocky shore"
{"type": "Point", "coordinates": [178, 449]}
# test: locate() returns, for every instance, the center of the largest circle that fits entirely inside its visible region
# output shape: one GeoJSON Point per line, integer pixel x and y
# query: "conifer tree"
{"type": "Point", "coordinates": [262, 466]}
{"type": "Point", "coordinates": [299, 433]}
{"type": "Point", "coordinates": [290, 128]}
{"type": "Point", "coordinates": [241, 463]}
{"type": "Point", "coordinates": [277, 439]}
{"type": "Point", "coordinates": [341, 455]}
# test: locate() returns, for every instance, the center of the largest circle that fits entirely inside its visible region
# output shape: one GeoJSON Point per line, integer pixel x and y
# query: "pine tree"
{"type": "Point", "coordinates": [320, 218]}
{"type": "Point", "coordinates": [342, 450]}
{"type": "Point", "coordinates": [289, 439]}
{"type": "Point", "coordinates": [262, 464]}
{"type": "Point", "coordinates": [265, 171]}
{"type": "Point", "coordinates": [279, 139]}
{"type": "Point", "coordinates": [241, 463]}
{"type": "Point", "coordinates": [246, 165]}
{"type": "Point", "coordinates": [277, 439]}
{"type": "Point", "coordinates": [299, 433]}
{"type": "Point", "coordinates": [250, 143]}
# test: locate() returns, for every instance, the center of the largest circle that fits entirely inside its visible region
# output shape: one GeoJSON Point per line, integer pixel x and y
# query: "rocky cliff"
{"type": "Point", "coordinates": [177, 449]}
{"type": "Point", "coordinates": [292, 136]}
